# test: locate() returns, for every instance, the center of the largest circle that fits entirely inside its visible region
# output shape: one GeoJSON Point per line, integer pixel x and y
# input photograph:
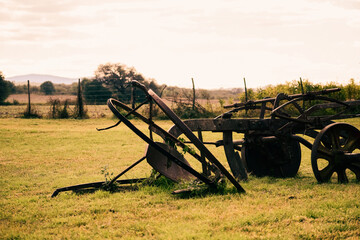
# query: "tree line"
{"type": "Point", "coordinates": [113, 80]}
{"type": "Point", "coordinates": [349, 91]}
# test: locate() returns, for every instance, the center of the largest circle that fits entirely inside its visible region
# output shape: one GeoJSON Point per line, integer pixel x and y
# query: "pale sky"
{"type": "Point", "coordinates": [217, 42]}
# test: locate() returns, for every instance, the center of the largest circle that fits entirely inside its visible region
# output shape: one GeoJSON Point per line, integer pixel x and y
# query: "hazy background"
{"type": "Point", "coordinates": [215, 42]}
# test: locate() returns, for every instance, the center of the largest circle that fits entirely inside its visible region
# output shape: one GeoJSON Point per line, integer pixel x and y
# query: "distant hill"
{"type": "Point", "coordinates": [37, 79]}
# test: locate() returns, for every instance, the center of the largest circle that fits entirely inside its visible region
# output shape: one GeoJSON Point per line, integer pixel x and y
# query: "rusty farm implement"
{"type": "Point", "coordinates": [269, 146]}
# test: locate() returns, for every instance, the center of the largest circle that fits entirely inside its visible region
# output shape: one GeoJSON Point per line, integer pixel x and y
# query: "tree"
{"type": "Point", "coordinates": [47, 88]}
{"type": "Point", "coordinates": [117, 76]}
{"type": "Point", "coordinates": [95, 92]}
{"type": "Point", "coordinates": [6, 88]}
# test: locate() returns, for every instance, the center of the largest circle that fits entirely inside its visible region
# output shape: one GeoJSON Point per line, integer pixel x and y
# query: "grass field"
{"type": "Point", "coordinates": [16, 111]}
{"type": "Point", "coordinates": [39, 98]}
{"type": "Point", "coordinates": [38, 156]}
{"type": "Point", "coordinates": [41, 104]}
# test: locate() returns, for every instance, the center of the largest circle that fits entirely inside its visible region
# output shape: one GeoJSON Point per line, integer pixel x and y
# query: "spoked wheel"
{"type": "Point", "coordinates": [272, 157]}
{"type": "Point", "coordinates": [336, 150]}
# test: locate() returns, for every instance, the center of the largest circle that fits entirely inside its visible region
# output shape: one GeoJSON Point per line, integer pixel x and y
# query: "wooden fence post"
{"type": "Point", "coordinates": [80, 102]}
{"type": "Point", "coordinates": [193, 103]}
{"type": "Point", "coordinates": [132, 96]}
{"type": "Point", "coordinates": [29, 104]}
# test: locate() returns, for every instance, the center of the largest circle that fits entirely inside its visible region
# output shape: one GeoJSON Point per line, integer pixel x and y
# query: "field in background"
{"type": "Point", "coordinates": [16, 111]}
{"type": "Point", "coordinates": [40, 103]}
{"type": "Point", "coordinates": [44, 99]}
{"type": "Point", "coordinates": [38, 156]}
{"type": "Point", "coordinates": [38, 98]}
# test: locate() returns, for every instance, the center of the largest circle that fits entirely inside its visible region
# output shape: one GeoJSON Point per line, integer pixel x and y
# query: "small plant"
{"type": "Point", "coordinates": [108, 176]}
{"type": "Point", "coordinates": [158, 180]}
{"type": "Point", "coordinates": [199, 189]}
{"type": "Point", "coordinates": [54, 107]}
{"type": "Point", "coordinates": [187, 148]}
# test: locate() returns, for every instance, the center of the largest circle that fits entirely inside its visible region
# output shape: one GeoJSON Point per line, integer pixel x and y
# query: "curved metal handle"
{"type": "Point", "coordinates": [140, 86]}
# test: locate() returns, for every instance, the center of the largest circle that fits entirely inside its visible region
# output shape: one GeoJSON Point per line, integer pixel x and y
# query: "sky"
{"type": "Point", "coordinates": [216, 42]}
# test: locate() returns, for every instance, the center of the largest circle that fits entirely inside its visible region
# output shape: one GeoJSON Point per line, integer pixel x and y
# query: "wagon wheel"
{"type": "Point", "coordinates": [336, 149]}
{"type": "Point", "coordinates": [275, 157]}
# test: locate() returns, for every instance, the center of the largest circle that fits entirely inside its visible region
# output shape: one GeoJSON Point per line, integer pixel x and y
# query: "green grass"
{"type": "Point", "coordinates": [38, 156]}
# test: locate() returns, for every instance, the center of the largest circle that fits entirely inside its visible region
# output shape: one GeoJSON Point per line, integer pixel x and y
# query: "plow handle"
{"type": "Point", "coordinates": [140, 86]}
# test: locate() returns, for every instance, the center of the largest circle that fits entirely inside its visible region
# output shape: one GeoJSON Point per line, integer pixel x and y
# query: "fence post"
{"type": "Point", "coordinates": [29, 104]}
{"type": "Point", "coordinates": [193, 84]}
{"type": "Point", "coordinates": [246, 96]}
{"type": "Point", "coordinates": [246, 92]}
{"type": "Point", "coordinates": [80, 101]}
{"type": "Point", "coordinates": [132, 96]}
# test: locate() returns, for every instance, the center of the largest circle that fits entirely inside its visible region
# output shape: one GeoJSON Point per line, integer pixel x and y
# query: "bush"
{"type": "Point", "coordinates": [6, 88]}
{"type": "Point", "coordinates": [57, 110]}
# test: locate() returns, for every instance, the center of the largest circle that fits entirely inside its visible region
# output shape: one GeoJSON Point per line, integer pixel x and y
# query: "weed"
{"type": "Point", "coordinates": [107, 175]}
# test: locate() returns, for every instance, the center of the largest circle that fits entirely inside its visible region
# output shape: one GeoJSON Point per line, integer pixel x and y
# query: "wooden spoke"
{"type": "Point", "coordinates": [342, 178]}
{"type": "Point", "coordinates": [326, 173]}
{"type": "Point", "coordinates": [335, 141]}
{"type": "Point", "coordinates": [352, 143]}
{"type": "Point", "coordinates": [324, 153]}
{"type": "Point", "coordinates": [355, 169]}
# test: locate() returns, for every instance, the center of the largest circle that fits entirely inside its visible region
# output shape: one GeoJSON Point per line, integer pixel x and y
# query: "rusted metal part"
{"type": "Point", "coordinates": [126, 170]}
{"type": "Point", "coordinates": [165, 166]}
{"type": "Point", "coordinates": [95, 185]}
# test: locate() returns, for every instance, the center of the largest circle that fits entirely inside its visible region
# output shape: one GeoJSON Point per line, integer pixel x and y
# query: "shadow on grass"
{"type": "Point", "coordinates": [203, 192]}
{"type": "Point", "coordinates": [114, 189]}
{"type": "Point", "coordinates": [186, 190]}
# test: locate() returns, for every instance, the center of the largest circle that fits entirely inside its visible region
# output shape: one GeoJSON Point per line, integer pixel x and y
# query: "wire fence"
{"type": "Point", "coordinates": [64, 105]}
{"type": "Point", "coordinates": [94, 97]}
{"type": "Point", "coordinates": [35, 104]}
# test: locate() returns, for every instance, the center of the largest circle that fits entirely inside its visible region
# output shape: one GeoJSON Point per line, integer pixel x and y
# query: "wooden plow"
{"type": "Point", "coordinates": [270, 145]}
